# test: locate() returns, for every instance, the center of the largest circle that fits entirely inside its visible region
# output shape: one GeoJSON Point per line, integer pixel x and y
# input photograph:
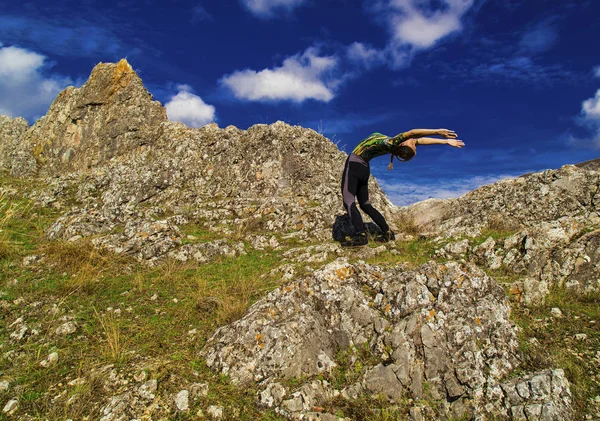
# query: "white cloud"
{"type": "Point", "coordinates": [365, 55]}
{"type": "Point", "coordinates": [267, 8]}
{"type": "Point", "coordinates": [189, 109]}
{"type": "Point", "coordinates": [590, 117]}
{"type": "Point", "coordinates": [301, 77]}
{"type": "Point", "coordinates": [415, 23]}
{"type": "Point", "coordinates": [404, 194]}
{"type": "Point", "coordinates": [418, 24]}
{"type": "Point", "coordinates": [25, 90]}
{"type": "Point", "coordinates": [590, 108]}
{"type": "Point", "coordinates": [597, 71]}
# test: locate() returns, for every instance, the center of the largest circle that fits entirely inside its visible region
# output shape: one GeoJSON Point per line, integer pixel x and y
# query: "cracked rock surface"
{"type": "Point", "coordinates": [441, 331]}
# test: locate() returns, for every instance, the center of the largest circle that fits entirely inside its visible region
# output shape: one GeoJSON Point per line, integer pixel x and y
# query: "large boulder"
{"type": "Point", "coordinates": [439, 332]}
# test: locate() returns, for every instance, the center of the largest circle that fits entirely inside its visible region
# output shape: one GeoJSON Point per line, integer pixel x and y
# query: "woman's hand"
{"type": "Point", "coordinates": [456, 143]}
{"type": "Point", "coordinates": [445, 133]}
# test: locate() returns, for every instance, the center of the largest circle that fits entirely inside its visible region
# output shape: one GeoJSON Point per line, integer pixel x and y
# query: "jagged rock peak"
{"type": "Point", "coordinates": [110, 114]}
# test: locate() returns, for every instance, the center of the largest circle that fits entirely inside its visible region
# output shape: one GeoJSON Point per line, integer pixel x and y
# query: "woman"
{"type": "Point", "coordinates": [357, 171]}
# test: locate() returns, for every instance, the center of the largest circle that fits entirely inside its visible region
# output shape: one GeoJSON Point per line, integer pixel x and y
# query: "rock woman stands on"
{"type": "Point", "coordinates": [356, 174]}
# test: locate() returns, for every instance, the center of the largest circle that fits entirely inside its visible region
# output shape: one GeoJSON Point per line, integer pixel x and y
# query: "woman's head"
{"type": "Point", "coordinates": [404, 152]}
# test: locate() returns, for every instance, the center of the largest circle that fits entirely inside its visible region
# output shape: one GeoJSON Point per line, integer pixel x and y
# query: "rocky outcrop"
{"type": "Point", "coordinates": [561, 253]}
{"type": "Point", "coordinates": [110, 114]}
{"type": "Point", "coordinates": [119, 161]}
{"type": "Point", "coordinates": [276, 178]}
{"type": "Point", "coordinates": [512, 204]}
{"type": "Point", "coordinates": [11, 153]}
{"type": "Point", "coordinates": [439, 332]}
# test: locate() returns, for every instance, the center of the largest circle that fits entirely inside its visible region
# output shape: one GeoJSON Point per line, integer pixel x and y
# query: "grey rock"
{"type": "Point", "coordinates": [147, 390]}
{"type": "Point", "coordinates": [215, 412]}
{"type": "Point", "coordinates": [513, 203]}
{"type": "Point", "coordinates": [66, 329]}
{"type": "Point", "coordinates": [80, 129]}
{"type": "Point", "coordinates": [283, 335]}
{"type": "Point", "coordinates": [454, 249]}
{"type": "Point", "coordinates": [11, 406]}
{"type": "Point", "coordinates": [50, 360]}
{"type": "Point", "coordinates": [272, 395]}
{"type": "Point", "coordinates": [382, 380]}
{"type": "Point", "coordinates": [4, 385]}
{"type": "Point", "coordinates": [199, 390]}
{"type": "Point", "coordinates": [182, 400]}
{"type": "Point", "coordinates": [118, 408]}
{"type": "Point", "coordinates": [543, 396]}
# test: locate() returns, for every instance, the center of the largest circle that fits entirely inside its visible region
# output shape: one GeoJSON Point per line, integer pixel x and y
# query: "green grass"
{"type": "Point", "coordinates": [415, 253]}
{"type": "Point", "coordinates": [145, 333]}
{"type": "Point", "coordinates": [555, 345]}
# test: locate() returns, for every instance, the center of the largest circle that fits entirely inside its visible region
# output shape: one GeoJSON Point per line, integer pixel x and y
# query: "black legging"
{"type": "Point", "coordinates": [355, 183]}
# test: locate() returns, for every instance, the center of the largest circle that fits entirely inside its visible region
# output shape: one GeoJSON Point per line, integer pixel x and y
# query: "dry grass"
{"type": "Point", "coordinates": [111, 326]}
{"type": "Point", "coordinates": [7, 212]}
{"type": "Point", "coordinates": [226, 300]}
{"type": "Point", "coordinates": [84, 264]}
{"type": "Point", "coordinates": [249, 225]}
{"type": "Point", "coordinates": [407, 225]}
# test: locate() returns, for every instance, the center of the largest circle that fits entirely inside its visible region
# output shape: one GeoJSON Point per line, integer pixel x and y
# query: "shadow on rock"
{"type": "Point", "coordinates": [342, 228]}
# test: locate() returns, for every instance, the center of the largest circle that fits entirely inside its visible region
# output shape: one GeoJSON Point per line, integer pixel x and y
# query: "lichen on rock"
{"type": "Point", "coordinates": [440, 332]}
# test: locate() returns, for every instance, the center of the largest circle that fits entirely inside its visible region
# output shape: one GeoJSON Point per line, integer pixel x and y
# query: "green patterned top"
{"type": "Point", "coordinates": [378, 144]}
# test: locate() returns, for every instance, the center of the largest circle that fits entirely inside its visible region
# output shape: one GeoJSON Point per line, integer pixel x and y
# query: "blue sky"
{"type": "Point", "coordinates": [519, 80]}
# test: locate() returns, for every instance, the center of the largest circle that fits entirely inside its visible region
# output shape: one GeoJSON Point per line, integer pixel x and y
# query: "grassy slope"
{"type": "Point", "coordinates": [155, 320]}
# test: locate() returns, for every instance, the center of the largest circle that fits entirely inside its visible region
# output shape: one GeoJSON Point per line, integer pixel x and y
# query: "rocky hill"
{"type": "Point", "coordinates": [143, 259]}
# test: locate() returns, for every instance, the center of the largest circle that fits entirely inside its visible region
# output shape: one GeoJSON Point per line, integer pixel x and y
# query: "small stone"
{"type": "Point", "coordinates": [416, 414]}
{"type": "Point", "coordinates": [556, 313]}
{"type": "Point", "coordinates": [66, 329]}
{"type": "Point", "coordinates": [11, 406]}
{"type": "Point", "coordinates": [581, 336]}
{"type": "Point", "coordinates": [4, 385]}
{"type": "Point", "coordinates": [147, 390]}
{"type": "Point", "coordinates": [141, 376]}
{"type": "Point", "coordinates": [154, 297]}
{"type": "Point", "coordinates": [215, 412]}
{"type": "Point", "coordinates": [76, 382]}
{"type": "Point", "coordinates": [182, 400]}
{"type": "Point", "coordinates": [199, 389]}
{"type": "Point", "coordinates": [52, 358]}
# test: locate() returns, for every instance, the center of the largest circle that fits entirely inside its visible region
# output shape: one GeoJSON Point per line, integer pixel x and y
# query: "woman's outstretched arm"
{"type": "Point", "coordinates": [435, 141]}
{"type": "Point", "coordinates": [418, 133]}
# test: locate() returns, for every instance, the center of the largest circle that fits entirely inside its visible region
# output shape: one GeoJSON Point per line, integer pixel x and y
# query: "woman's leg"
{"type": "Point", "coordinates": [362, 195]}
{"type": "Point", "coordinates": [350, 181]}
